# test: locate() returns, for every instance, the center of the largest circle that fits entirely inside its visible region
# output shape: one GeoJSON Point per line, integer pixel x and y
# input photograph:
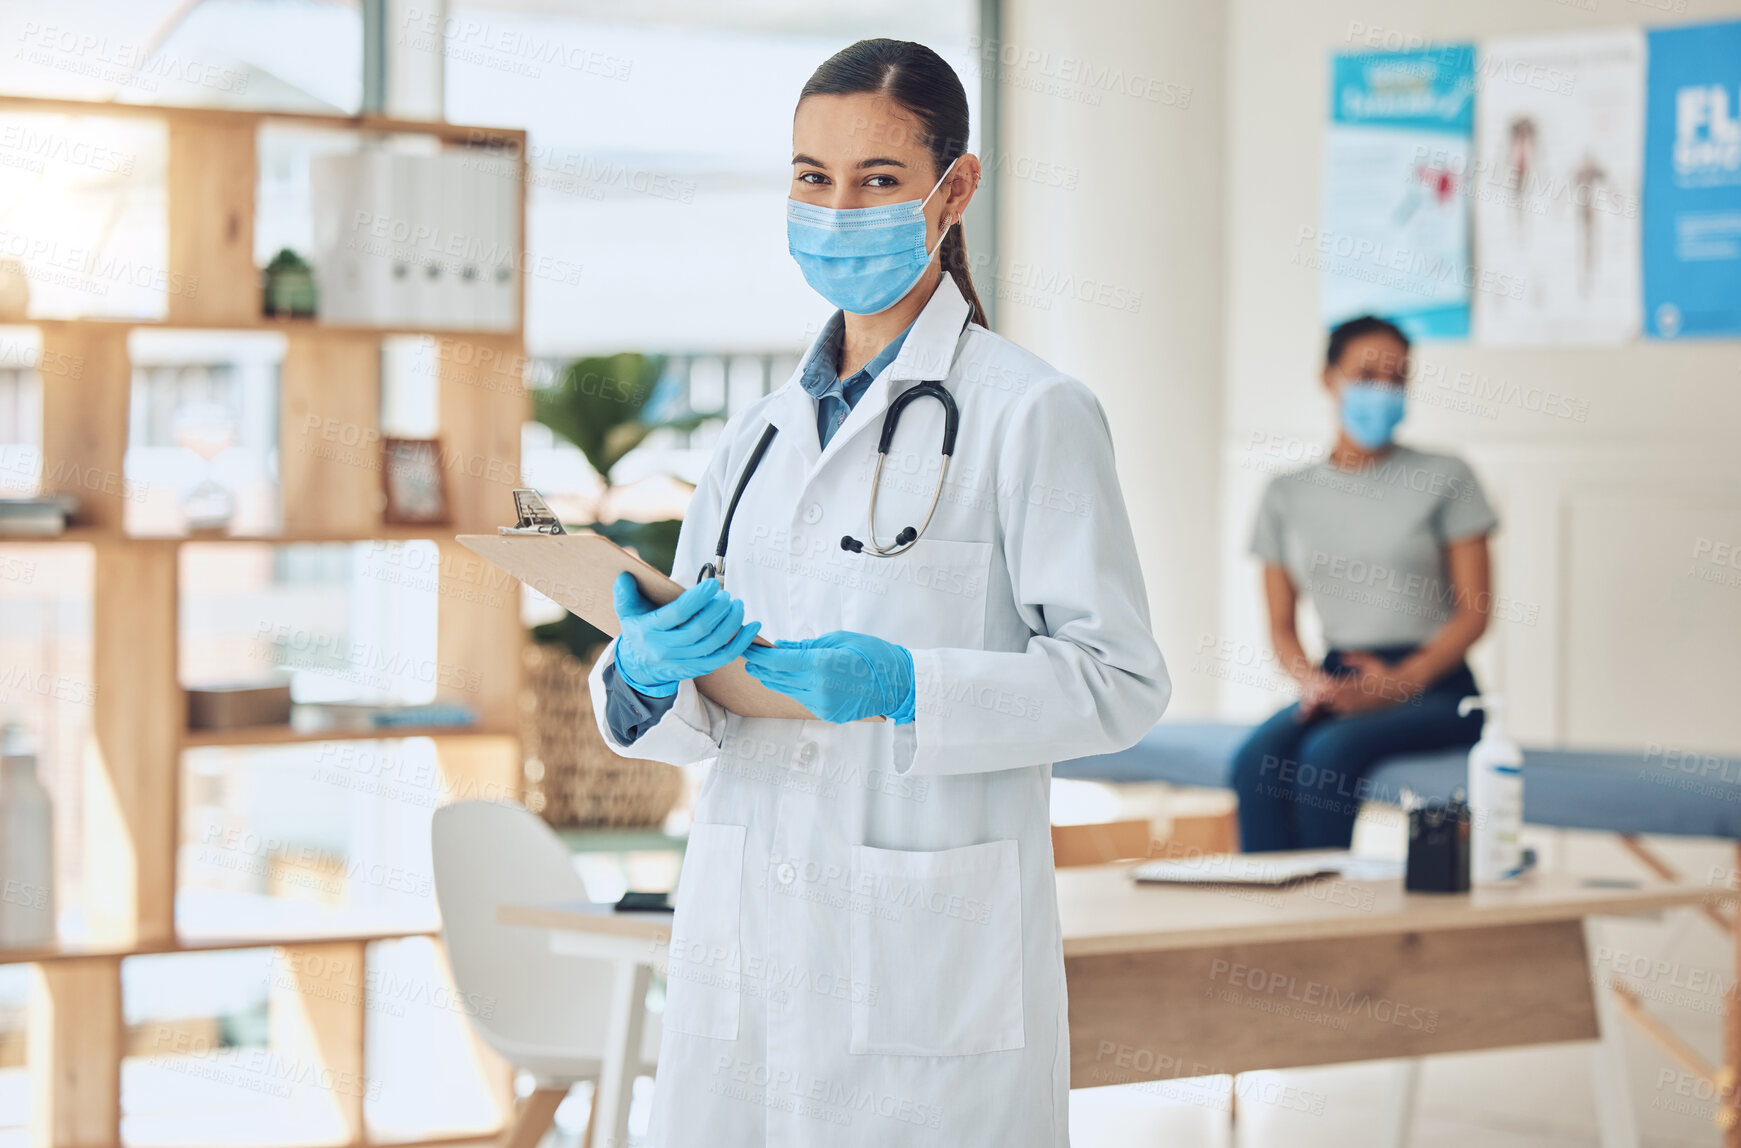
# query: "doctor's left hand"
{"type": "Point", "coordinates": [840, 677]}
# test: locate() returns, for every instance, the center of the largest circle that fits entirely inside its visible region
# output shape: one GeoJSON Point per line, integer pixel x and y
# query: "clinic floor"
{"type": "Point", "coordinates": [1539, 1098]}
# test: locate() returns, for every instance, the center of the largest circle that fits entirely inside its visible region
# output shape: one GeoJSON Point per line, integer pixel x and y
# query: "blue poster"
{"type": "Point", "coordinates": [1692, 182]}
{"type": "Point", "coordinates": [1430, 90]}
{"type": "Point", "coordinates": [1393, 235]}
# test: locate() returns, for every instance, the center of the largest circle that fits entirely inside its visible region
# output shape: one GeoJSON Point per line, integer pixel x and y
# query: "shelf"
{"type": "Point", "coordinates": [101, 535]}
{"type": "Point", "coordinates": [58, 953]}
{"type": "Point", "coordinates": [288, 326]}
{"type": "Point", "coordinates": [284, 735]}
{"type": "Point", "coordinates": [229, 117]}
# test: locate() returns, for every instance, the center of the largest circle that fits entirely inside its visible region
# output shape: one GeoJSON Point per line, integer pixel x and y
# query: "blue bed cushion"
{"type": "Point", "coordinates": [1572, 789]}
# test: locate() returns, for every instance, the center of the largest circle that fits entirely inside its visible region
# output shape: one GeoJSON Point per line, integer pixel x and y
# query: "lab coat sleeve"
{"type": "Point", "coordinates": [690, 729]}
{"type": "Point", "coordinates": [1091, 679]}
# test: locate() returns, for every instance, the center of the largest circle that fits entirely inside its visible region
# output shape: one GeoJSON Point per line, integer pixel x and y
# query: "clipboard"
{"type": "Point", "coordinates": [576, 571]}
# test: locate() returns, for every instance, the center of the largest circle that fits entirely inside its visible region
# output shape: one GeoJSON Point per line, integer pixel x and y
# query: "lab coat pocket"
{"type": "Point", "coordinates": [702, 990]}
{"type": "Point", "coordinates": [937, 941]}
{"type": "Point", "coordinates": [931, 595]}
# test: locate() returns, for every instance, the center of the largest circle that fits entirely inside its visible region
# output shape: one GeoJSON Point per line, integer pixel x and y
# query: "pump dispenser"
{"type": "Point", "coordinates": [1495, 797]}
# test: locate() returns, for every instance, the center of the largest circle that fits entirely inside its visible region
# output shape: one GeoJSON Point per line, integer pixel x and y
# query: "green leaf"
{"type": "Point", "coordinates": [583, 639]}
{"type": "Point", "coordinates": [599, 404]}
{"type": "Point", "coordinates": [655, 542]}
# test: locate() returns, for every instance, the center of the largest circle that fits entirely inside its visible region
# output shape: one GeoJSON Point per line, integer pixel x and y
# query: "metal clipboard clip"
{"type": "Point", "coordinates": [534, 514]}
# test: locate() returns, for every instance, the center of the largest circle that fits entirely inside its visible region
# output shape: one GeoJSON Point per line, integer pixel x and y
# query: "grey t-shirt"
{"type": "Point", "coordinates": [1368, 547]}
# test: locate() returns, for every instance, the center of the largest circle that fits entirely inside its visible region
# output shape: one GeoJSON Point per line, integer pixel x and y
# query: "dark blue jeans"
{"type": "Point", "coordinates": [1300, 784]}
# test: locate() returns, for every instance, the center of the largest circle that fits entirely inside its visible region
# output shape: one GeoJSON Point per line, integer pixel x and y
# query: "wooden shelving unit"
{"type": "Point", "coordinates": [280, 735]}
{"type": "Point", "coordinates": [64, 953]}
{"type": "Point", "coordinates": [132, 815]}
{"type": "Point", "coordinates": [98, 534]}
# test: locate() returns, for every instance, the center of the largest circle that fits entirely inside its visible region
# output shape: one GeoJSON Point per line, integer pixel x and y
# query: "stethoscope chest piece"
{"type": "Point", "coordinates": [910, 536]}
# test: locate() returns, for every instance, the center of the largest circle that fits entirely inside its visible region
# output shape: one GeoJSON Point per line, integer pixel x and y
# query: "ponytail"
{"type": "Point", "coordinates": [954, 257]}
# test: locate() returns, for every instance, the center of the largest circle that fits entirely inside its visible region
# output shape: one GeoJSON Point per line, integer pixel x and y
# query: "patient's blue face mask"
{"type": "Point", "coordinates": [862, 259]}
{"type": "Point", "coordinates": [1371, 412]}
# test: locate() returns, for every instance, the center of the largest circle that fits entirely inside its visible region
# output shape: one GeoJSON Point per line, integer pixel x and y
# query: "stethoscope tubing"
{"type": "Point", "coordinates": [716, 568]}
{"type": "Point", "coordinates": [903, 541]}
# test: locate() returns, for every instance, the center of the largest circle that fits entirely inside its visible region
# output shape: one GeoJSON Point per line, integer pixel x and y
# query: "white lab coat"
{"type": "Point", "coordinates": [866, 949]}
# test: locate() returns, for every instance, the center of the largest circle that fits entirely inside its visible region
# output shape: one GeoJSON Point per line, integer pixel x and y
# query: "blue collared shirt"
{"type": "Point", "coordinates": [836, 396]}
{"type": "Point", "coordinates": [630, 713]}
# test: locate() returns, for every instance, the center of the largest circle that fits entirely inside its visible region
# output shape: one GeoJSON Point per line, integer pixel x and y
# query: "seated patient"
{"type": "Point", "coordinates": [1390, 545]}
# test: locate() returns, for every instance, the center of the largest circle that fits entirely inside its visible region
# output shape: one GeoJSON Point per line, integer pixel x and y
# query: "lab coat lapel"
{"type": "Point", "coordinates": [794, 412]}
{"type": "Point", "coordinates": [927, 353]}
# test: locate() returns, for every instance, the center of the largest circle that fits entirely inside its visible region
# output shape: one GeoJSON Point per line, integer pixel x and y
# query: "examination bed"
{"type": "Point", "coordinates": [1667, 793]}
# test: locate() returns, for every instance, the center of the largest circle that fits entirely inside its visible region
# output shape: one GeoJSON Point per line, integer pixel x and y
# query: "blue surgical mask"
{"type": "Point", "coordinates": [1370, 412]}
{"type": "Point", "coordinates": [862, 259]}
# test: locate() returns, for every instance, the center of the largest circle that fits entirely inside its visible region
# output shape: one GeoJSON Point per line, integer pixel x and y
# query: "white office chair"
{"type": "Point", "coordinates": [548, 1014]}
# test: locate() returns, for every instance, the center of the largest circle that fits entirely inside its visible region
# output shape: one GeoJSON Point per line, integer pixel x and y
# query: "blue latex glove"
{"type": "Point", "coordinates": [695, 633]}
{"type": "Point", "coordinates": [840, 677]}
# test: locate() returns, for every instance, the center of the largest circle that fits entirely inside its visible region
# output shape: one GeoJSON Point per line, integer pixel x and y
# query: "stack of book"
{"type": "Point", "coordinates": [36, 517]}
{"type": "Point", "coordinates": [359, 717]}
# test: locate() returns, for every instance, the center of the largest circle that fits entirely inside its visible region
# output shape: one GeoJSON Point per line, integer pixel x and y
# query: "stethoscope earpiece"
{"type": "Point", "coordinates": [848, 542]}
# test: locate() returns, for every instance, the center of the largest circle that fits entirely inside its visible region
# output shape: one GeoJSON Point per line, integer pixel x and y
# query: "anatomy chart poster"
{"type": "Point", "coordinates": [1692, 183]}
{"type": "Point", "coordinates": [1557, 184]}
{"type": "Point", "coordinates": [1394, 234]}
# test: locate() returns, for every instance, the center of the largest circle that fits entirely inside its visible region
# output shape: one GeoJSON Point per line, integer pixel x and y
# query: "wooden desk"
{"type": "Point", "coordinates": [1161, 978]}
{"type": "Point", "coordinates": [589, 929]}
{"type": "Point", "coordinates": [1168, 981]}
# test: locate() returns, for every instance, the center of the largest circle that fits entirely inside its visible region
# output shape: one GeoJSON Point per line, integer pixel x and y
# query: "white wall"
{"type": "Point", "coordinates": [1111, 204]}
{"type": "Point", "coordinates": [1600, 517]}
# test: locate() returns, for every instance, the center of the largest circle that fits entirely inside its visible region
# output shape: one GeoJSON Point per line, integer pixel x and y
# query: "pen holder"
{"type": "Point", "coordinates": [1438, 859]}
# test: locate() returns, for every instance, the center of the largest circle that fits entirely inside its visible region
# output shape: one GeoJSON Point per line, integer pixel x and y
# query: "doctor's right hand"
{"type": "Point", "coordinates": [695, 633]}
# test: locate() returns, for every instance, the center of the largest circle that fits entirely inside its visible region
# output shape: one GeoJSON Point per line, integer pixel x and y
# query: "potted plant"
{"type": "Point", "coordinates": [287, 287]}
{"type": "Point", "coordinates": [606, 406]}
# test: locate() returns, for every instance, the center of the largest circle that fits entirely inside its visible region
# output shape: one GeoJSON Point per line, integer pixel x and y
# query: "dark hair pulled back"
{"type": "Point", "coordinates": [920, 81]}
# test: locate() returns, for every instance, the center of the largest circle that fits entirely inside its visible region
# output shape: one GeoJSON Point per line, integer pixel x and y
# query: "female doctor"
{"type": "Point", "coordinates": [866, 949]}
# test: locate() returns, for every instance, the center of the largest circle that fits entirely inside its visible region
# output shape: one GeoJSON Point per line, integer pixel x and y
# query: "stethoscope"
{"type": "Point", "coordinates": [907, 538]}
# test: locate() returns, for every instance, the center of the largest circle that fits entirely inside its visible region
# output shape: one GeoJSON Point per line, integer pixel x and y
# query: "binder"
{"type": "Point", "coordinates": [502, 272]}
{"type": "Point", "coordinates": [468, 218]}
{"type": "Point", "coordinates": [342, 259]}
{"type": "Point", "coordinates": [424, 241]}
{"type": "Point", "coordinates": [420, 199]}
{"type": "Point", "coordinates": [371, 257]}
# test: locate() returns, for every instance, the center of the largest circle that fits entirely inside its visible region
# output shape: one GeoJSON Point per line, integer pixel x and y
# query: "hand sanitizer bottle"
{"type": "Point", "coordinates": [1495, 797]}
{"type": "Point", "coordinates": [26, 847]}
